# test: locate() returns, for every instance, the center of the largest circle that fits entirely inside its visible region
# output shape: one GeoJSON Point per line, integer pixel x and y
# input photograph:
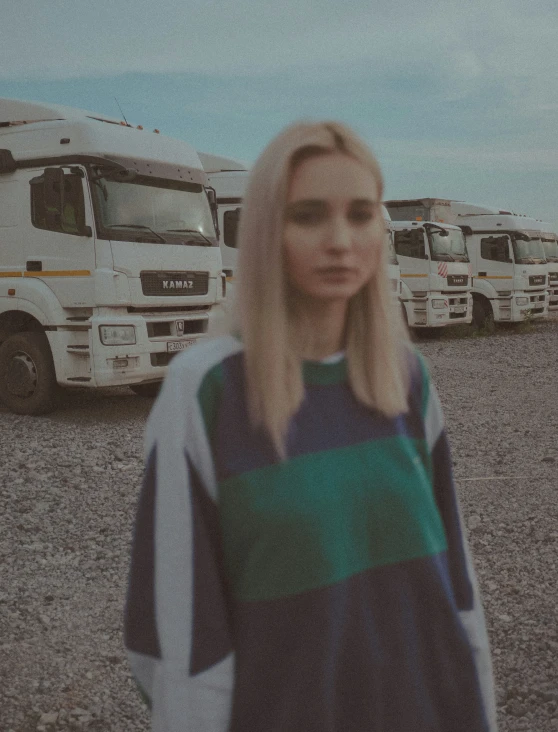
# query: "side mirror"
{"type": "Point", "coordinates": [212, 198]}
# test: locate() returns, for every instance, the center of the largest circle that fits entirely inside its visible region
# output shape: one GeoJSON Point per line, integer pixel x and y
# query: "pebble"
{"type": "Point", "coordinates": [501, 408]}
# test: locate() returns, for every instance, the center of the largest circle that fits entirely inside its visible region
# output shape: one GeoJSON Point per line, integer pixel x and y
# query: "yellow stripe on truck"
{"type": "Point", "coordinates": [59, 273]}
{"type": "Point", "coordinates": [415, 275]}
{"type": "Point", "coordinates": [10, 274]}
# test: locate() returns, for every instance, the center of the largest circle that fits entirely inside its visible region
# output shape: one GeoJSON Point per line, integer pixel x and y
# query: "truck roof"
{"type": "Point", "coordinates": [408, 224]}
{"type": "Point", "coordinates": [495, 222]}
{"type": "Point", "coordinates": [219, 163]}
{"type": "Point", "coordinates": [45, 132]}
{"type": "Point", "coordinates": [229, 185]}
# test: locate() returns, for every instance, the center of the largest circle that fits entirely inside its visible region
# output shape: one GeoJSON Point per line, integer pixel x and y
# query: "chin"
{"type": "Point", "coordinates": [335, 293]}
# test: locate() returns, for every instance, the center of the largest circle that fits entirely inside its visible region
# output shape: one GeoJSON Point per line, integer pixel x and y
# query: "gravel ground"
{"type": "Point", "coordinates": [69, 487]}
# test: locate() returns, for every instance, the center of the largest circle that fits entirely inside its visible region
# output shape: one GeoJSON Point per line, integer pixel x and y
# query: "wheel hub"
{"type": "Point", "coordinates": [21, 376]}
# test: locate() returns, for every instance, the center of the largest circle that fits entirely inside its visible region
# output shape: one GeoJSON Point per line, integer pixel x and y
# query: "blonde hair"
{"type": "Point", "coordinates": [375, 334]}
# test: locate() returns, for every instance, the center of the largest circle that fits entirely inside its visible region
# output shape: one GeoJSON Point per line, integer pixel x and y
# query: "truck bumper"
{"type": "Point", "coordinates": [422, 313]}
{"type": "Point", "coordinates": [82, 359]}
{"type": "Point", "coordinates": [520, 306]}
{"type": "Point", "coordinates": [553, 297]}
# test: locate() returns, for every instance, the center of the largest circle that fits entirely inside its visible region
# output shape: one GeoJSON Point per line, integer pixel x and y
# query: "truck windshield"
{"type": "Point", "coordinates": [154, 210]}
{"type": "Point", "coordinates": [550, 247]}
{"type": "Point", "coordinates": [528, 252]}
{"type": "Point", "coordinates": [447, 248]}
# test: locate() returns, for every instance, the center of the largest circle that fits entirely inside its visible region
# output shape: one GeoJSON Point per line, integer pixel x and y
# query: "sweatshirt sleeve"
{"type": "Point", "coordinates": [461, 566]}
{"type": "Point", "coordinates": [176, 617]}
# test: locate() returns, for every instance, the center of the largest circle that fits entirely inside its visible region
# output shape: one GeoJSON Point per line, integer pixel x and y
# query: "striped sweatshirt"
{"type": "Point", "coordinates": [329, 592]}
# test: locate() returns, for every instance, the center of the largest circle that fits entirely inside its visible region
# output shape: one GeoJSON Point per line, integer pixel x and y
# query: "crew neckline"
{"type": "Point", "coordinates": [334, 358]}
{"type": "Point", "coordinates": [331, 370]}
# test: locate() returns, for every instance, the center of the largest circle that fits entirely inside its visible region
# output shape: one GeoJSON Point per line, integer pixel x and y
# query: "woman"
{"type": "Point", "coordinates": [299, 562]}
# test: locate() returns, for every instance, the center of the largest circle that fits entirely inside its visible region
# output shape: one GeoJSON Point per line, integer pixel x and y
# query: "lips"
{"type": "Point", "coordinates": [335, 270]}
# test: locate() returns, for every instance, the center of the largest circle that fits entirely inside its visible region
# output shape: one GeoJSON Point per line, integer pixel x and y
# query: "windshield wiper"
{"type": "Point", "coordinates": [191, 231]}
{"type": "Point", "coordinates": [138, 226]}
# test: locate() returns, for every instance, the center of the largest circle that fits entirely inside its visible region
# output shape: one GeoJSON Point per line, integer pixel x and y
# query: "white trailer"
{"type": "Point", "coordinates": [508, 264]}
{"type": "Point", "coordinates": [109, 260]}
{"type": "Point", "coordinates": [435, 272]}
{"type": "Point", "coordinates": [229, 177]}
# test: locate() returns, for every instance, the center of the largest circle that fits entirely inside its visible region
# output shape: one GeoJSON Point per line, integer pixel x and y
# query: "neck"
{"type": "Point", "coordinates": [320, 329]}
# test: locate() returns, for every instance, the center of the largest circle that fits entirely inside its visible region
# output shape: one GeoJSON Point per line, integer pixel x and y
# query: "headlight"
{"type": "Point", "coordinates": [522, 300]}
{"type": "Point", "coordinates": [439, 304]}
{"type": "Point", "coordinates": [117, 335]}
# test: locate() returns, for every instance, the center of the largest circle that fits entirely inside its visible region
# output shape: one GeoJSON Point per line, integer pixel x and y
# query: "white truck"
{"type": "Point", "coordinates": [109, 259]}
{"type": "Point", "coordinates": [549, 241]}
{"type": "Point", "coordinates": [508, 265]}
{"type": "Point", "coordinates": [229, 177]}
{"type": "Point", "coordinates": [435, 276]}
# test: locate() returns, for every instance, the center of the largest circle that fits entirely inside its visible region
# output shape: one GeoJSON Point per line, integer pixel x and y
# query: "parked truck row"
{"type": "Point", "coordinates": [118, 250]}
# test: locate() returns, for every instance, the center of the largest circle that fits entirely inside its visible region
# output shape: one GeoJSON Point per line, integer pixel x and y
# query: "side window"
{"type": "Point", "coordinates": [410, 243]}
{"type": "Point", "coordinates": [495, 248]}
{"type": "Point", "coordinates": [72, 218]}
{"type": "Point", "coordinates": [230, 226]}
{"type": "Point", "coordinates": [10, 203]}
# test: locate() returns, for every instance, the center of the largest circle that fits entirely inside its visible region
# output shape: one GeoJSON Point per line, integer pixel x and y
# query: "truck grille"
{"type": "Point", "coordinates": [174, 283]}
{"type": "Point", "coordinates": [458, 280]}
{"type": "Point", "coordinates": [537, 280]}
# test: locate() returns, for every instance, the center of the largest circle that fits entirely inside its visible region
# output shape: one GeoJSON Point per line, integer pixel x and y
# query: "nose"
{"type": "Point", "coordinates": [340, 234]}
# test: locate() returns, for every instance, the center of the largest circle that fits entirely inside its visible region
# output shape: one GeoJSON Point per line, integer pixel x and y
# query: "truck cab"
{"type": "Point", "coordinates": [109, 259]}
{"type": "Point", "coordinates": [394, 269]}
{"type": "Point", "coordinates": [435, 277]}
{"type": "Point", "coordinates": [549, 241]}
{"type": "Point", "coordinates": [228, 177]}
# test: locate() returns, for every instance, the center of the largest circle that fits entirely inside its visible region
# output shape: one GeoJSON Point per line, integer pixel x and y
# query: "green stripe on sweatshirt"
{"type": "Point", "coordinates": [322, 517]}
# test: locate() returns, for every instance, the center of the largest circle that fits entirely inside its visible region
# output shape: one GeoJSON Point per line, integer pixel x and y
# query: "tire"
{"type": "Point", "coordinates": [483, 317]}
{"type": "Point", "coordinates": [27, 377]}
{"type": "Point", "coordinates": [150, 390]}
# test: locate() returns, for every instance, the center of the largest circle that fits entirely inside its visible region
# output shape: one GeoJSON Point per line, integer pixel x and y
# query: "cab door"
{"type": "Point", "coordinates": [412, 254]}
{"type": "Point", "coordinates": [60, 247]}
{"type": "Point", "coordinates": [495, 263]}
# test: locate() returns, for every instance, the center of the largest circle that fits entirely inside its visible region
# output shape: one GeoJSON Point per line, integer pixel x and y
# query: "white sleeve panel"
{"type": "Point", "coordinates": [181, 701]}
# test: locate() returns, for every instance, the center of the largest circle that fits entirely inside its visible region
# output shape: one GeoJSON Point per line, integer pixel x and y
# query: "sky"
{"type": "Point", "coordinates": [457, 99]}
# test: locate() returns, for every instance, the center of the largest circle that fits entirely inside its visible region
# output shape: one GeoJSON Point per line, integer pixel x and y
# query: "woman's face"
{"type": "Point", "coordinates": [334, 230]}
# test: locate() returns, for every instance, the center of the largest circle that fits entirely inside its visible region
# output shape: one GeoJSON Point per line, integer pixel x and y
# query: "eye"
{"type": "Point", "coordinates": [361, 215]}
{"type": "Point", "coordinates": [306, 215]}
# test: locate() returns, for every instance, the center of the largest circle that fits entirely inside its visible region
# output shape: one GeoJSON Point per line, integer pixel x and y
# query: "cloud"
{"type": "Point", "coordinates": [459, 46]}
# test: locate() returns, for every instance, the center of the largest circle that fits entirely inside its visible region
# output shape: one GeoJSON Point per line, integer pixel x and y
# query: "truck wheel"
{"type": "Point", "coordinates": [147, 390]}
{"type": "Point", "coordinates": [27, 377]}
{"type": "Point", "coordinates": [483, 317]}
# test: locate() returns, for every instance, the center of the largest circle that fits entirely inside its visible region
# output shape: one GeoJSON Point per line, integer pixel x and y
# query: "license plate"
{"type": "Point", "coordinates": [173, 346]}
{"type": "Point", "coordinates": [460, 309]}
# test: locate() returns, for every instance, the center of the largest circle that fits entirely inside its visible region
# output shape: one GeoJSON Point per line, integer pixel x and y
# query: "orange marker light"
{"type": "Point", "coordinates": [11, 291]}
